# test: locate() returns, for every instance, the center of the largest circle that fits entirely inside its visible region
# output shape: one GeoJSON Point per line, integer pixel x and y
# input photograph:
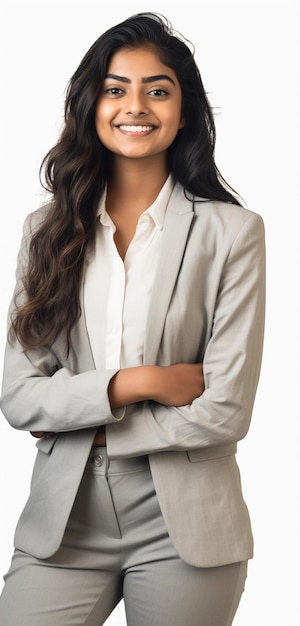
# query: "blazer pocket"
{"type": "Point", "coordinates": [45, 446]}
{"type": "Point", "coordinates": [214, 452]}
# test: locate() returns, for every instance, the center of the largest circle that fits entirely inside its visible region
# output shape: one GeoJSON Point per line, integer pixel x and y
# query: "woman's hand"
{"type": "Point", "coordinates": [178, 385]}
{"type": "Point", "coordinates": [173, 385]}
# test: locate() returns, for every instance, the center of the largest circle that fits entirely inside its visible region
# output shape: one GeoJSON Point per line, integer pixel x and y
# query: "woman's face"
{"type": "Point", "coordinates": [138, 113]}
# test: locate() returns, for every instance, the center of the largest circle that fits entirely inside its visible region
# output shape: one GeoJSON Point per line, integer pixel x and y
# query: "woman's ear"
{"type": "Point", "coordinates": [181, 123]}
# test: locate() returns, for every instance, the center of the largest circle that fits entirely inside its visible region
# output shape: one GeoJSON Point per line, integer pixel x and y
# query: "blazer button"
{"type": "Point", "coordinates": [98, 460]}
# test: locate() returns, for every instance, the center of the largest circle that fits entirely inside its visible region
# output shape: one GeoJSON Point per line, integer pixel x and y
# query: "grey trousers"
{"type": "Point", "coordinates": [116, 545]}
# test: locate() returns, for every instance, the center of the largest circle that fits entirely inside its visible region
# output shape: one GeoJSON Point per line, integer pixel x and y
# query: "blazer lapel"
{"type": "Point", "coordinates": [176, 228]}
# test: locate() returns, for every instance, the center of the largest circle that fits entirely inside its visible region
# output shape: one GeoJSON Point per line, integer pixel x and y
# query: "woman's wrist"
{"type": "Point", "coordinates": [133, 384]}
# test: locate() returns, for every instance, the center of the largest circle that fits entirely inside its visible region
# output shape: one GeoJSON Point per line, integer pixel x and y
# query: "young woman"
{"type": "Point", "coordinates": [134, 352]}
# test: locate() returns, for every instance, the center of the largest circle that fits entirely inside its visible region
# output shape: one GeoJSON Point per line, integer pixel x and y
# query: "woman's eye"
{"type": "Point", "coordinates": [158, 92]}
{"type": "Point", "coordinates": [114, 91]}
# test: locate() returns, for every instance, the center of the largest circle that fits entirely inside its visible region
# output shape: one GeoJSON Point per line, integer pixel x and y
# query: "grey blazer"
{"type": "Point", "coordinates": [207, 305]}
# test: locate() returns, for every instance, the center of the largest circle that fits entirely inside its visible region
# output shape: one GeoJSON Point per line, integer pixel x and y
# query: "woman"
{"type": "Point", "coordinates": [134, 352]}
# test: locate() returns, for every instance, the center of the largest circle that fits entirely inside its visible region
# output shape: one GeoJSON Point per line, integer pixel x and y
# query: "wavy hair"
{"type": "Point", "coordinates": [75, 172]}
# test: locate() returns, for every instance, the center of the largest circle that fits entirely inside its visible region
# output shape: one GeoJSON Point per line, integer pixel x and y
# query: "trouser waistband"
{"type": "Point", "coordinates": [100, 460]}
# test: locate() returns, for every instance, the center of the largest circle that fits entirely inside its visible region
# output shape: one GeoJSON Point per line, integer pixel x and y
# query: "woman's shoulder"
{"type": "Point", "coordinates": [216, 216]}
{"type": "Point", "coordinates": [228, 220]}
{"type": "Point", "coordinates": [224, 211]}
{"type": "Point", "coordinates": [212, 208]}
{"type": "Point", "coordinates": [35, 219]}
{"type": "Point", "coordinates": [217, 211]}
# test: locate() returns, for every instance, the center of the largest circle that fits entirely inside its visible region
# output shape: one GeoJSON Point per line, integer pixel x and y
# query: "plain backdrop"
{"type": "Point", "coordinates": [248, 54]}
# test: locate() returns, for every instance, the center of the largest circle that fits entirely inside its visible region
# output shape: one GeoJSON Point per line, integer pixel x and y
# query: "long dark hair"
{"type": "Point", "coordinates": [76, 171]}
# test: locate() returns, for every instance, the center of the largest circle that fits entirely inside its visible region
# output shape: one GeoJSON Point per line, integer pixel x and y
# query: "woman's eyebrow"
{"type": "Point", "coordinates": [122, 79]}
{"type": "Point", "coordinates": [146, 79]}
{"type": "Point", "coordinates": [152, 79]}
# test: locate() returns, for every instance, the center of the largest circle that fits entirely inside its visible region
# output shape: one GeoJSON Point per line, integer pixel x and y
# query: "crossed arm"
{"type": "Point", "coordinates": [175, 385]}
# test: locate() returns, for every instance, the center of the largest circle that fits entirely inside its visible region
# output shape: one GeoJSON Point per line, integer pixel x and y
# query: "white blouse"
{"type": "Point", "coordinates": [117, 293]}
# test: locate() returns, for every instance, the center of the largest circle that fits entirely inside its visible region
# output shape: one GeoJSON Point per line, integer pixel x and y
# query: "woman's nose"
{"type": "Point", "coordinates": [135, 104]}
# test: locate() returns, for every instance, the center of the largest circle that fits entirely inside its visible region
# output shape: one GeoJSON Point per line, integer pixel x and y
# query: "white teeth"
{"type": "Point", "coordinates": [135, 129]}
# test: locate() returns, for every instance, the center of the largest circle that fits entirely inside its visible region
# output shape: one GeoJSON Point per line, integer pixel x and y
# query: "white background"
{"type": "Point", "coordinates": [247, 53]}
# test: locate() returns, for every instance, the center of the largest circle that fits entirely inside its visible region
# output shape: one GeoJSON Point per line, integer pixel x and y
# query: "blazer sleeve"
{"type": "Point", "coordinates": [40, 390]}
{"type": "Point", "coordinates": [231, 363]}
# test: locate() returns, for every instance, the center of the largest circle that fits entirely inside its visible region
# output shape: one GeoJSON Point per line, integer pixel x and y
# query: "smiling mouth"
{"type": "Point", "coordinates": [135, 128]}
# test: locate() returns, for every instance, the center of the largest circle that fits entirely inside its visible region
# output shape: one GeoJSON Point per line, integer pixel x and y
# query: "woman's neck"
{"type": "Point", "coordinates": [134, 185]}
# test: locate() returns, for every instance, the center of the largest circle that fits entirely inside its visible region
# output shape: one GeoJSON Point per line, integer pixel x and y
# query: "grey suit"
{"type": "Point", "coordinates": [207, 305]}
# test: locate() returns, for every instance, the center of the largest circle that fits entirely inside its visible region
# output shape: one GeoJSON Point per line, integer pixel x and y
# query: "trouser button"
{"type": "Point", "coordinates": [98, 460]}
